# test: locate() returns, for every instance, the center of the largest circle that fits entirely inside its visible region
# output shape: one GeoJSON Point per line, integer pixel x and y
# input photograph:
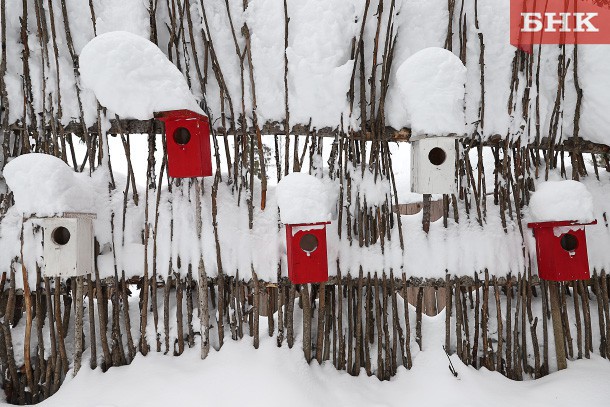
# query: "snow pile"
{"type": "Point", "coordinates": [319, 64]}
{"type": "Point", "coordinates": [240, 374]}
{"type": "Point", "coordinates": [562, 200]}
{"type": "Point", "coordinates": [122, 15]}
{"type": "Point", "coordinates": [44, 185]}
{"type": "Point", "coordinates": [432, 82]}
{"type": "Point", "coordinates": [303, 198]}
{"type": "Point", "coordinates": [132, 77]}
{"type": "Point", "coordinates": [593, 73]}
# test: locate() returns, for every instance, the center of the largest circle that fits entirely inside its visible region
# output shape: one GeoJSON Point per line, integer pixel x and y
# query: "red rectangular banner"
{"type": "Point", "coordinates": [535, 22]}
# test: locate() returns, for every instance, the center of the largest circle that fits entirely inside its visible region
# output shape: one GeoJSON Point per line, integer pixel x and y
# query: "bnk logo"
{"type": "Point", "coordinates": [559, 22]}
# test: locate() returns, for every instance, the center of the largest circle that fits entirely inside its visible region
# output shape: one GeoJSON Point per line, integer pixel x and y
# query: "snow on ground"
{"type": "Point", "coordinates": [137, 80]}
{"type": "Point", "coordinates": [272, 376]}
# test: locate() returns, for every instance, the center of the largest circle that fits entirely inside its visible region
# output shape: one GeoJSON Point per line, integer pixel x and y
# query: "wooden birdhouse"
{"type": "Point", "coordinates": [188, 143]}
{"type": "Point", "coordinates": [307, 253]}
{"type": "Point", "coordinates": [433, 165]}
{"type": "Point", "coordinates": [68, 245]}
{"type": "Point", "coordinates": [305, 208]}
{"type": "Point", "coordinates": [561, 249]}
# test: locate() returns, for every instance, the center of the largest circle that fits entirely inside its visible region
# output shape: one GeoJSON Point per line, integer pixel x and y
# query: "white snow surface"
{"type": "Point", "coordinates": [303, 198]}
{"type": "Point", "coordinates": [562, 200]}
{"type": "Point", "coordinates": [132, 77]}
{"type": "Point", "coordinates": [238, 375]}
{"type": "Point", "coordinates": [44, 185]}
{"type": "Point", "coordinates": [593, 72]}
{"type": "Point", "coordinates": [432, 82]}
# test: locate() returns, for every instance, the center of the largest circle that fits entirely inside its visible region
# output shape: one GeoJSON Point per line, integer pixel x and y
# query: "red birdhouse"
{"type": "Point", "coordinates": [306, 249]}
{"type": "Point", "coordinates": [188, 143]}
{"type": "Point", "coordinates": [561, 248]}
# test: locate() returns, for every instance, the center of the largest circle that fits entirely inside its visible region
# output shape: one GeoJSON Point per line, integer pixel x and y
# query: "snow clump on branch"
{"type": "Point", "coordinates": [132, 77]}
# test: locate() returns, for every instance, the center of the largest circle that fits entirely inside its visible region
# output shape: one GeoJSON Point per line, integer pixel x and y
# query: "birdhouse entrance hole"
{"type": "Point", "coordinates": [309, 243]}
{"type": "Point", "coordinates": [437, 156]}
{"type": "Point", "coordinates": [182, 136]}
{"type": "Point", "coordinates": [60, 235]}
{"type": "Point", "coordinates": [569, 242]}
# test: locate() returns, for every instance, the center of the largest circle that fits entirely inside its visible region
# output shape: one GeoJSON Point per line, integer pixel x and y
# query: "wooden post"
{"type": "Point", "coordinates": [78, 325]}
{"type": "Point", "coordinates": [557, 326]}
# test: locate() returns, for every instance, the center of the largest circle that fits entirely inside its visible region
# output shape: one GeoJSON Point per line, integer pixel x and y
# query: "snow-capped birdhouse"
{"type": "Point", "coordinates": [433, 165]}
{"type": "Point", "coordinates": [188, 143]}
{"type": "Point", "coordinates": [305, 209]}
{"type": "Point", "coordinates": [561, 250]}
{"type": "Point", "coordinates": [561, 210]}
{"type": "Point", "coordinates": [68, 245]}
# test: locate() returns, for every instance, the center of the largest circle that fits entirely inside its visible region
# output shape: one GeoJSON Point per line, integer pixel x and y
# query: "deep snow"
{"type": "Point", "coordinates": [272, 376]}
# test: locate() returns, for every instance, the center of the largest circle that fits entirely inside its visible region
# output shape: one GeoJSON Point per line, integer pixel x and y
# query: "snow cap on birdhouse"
{"type": "Point", "coordinates": [187, 135]}
{"type": "Point", "coordinates": [305, 209]}
{"type": "Point", "coordinates": [432, 85]}
{"type": "Point", "coordinates": [44, 185]}
{"type": "Point", "coordinates": [68, 245]}
{"type": "Point", "coordinates": [561, 209]}
{"type": "Point", "coordinates": [132, 77]}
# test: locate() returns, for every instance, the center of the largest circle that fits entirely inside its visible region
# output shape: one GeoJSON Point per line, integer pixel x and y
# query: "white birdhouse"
{"type": "Point", "coordinates": [433, 165]}
{"type": "Point", "coordinates": [68, 245]}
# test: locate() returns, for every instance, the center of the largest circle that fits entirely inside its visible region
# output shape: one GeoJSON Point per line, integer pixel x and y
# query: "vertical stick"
{"type": "Point", "coordinates": [545, 331]}
{"type": "Point", "coordinates": [202, 284]}
{"type": "Point", "coordinates": [418, 310]}
{"type": "Point", "coordinates": [557, 325]}
{"type": "Point", "coordinates": [306, 322]}
{"type": "Point", "coordinates": [359, 333]}
{"type": "Point", "coordinates": [448, 307]}
{"type": "Point", "coordinates": [499, 365]}
{"type": "Point", "coordinates": [320, 329]}
{"type": "Point", "coordinates": [584, 296]}
{"type": "Point", "coordinates": [458, 320]}
{"type": "Point", "coordinates": [59, 326]}
{"type": "Point", "coordinates": [350, 323]}
{"type": "Point", "coordinates": [341, 361]}
{"type": "Point", "coordinates": [78, 326]}
{"type": "Point", "coordinates": [92, 339]}
{"type": "Point", "coordinates": [380, 361]}
{"type": "Point", "coordinates": [290, 316]}
{"type": "Point", "coordinates": [179, 316]}
{"type": "Point", "coordinates": [509, 338]}
{"type": "Point", "coordinates": [280, 308]}
{"type": "Point", "coordinates": [604, 286]}
{"type": "Point", "coordinates": [255, 309]}
{"type": "Point", "coordinates": [577, 319]}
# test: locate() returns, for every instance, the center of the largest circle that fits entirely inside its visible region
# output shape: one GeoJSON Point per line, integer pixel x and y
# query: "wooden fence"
{"type": "Point", "coordinates": [520, 327]}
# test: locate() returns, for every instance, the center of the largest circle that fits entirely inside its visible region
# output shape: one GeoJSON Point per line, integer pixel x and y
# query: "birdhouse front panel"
{"type": "Point", "coordinates": [307, 253]}
{"type": "Point", "coordinates": [433, 165]}
{"type": "Point", "coordinates": [68, 247]}
{"type": "Point", "coordinates": [188, 144]}
{"type": "Point", "coordinates": [561, 251]}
